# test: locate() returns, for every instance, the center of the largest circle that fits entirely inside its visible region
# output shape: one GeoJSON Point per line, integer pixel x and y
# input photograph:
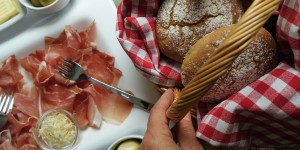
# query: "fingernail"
{"type": "Point", "coordinates": [168, 94]}
{"type": "Point", "coordinates": [187, 116]}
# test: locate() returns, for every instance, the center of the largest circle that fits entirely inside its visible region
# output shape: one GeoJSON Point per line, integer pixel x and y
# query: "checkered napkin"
{"type": "Point", "coordinates": [266, 113]}
{"type": "Point", "coordinates": [136, 33]}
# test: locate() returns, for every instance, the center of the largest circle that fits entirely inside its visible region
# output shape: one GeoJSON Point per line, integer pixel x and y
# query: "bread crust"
{"type": "Point", "coordinates": [258, 58]}
{"type": "Point", "coordinates": [181, 23]}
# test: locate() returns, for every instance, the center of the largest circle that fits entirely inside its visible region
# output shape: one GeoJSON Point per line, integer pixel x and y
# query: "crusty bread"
{"type": "Point", "coordinates": [258, 58]}
{"type": "Point", "coordinates": [181, 23]}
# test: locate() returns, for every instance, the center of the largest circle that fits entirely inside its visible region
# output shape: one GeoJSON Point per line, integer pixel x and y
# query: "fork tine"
{"type": "Point", "coordinates": [65, 68]}
{"type": "Point", "coordinates": [68, 66]}
{"type": "Point", "coordinates": [4, 104]}
{"type": "Point", "coordinates": [1, 98]}
{"type": "Point", "coordinates": [71, 63]}
{"type": "Point", "coordinates": [10, 104]}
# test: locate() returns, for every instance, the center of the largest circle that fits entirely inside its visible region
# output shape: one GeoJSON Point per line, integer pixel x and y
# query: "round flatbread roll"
{"type": "Point", "coordinates": [181, 23]}
{"type": "Point", "coordinates": [257, 59]}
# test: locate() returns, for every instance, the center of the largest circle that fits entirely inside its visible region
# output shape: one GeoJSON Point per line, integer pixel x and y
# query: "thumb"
{"type": "Point", "coordinates": [187, 135]}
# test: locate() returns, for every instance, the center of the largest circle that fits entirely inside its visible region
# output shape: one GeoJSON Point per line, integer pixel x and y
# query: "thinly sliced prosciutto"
{"type": "Point", "coordinates": [88, 37]}
{"type": "Point", "coordinates": [26, 101]}
{"type": "Point", "coordinates": [10, 77]}
{"type": "Point", "coordinates": [18, 131]}
{"type": "Point", "coordinates": [59, 96]}
{"type": "Point", "coordinates": [37, 67]}
{"type": "Point", "coordinates": [81, 105]}
{"type": "Point", "coordinates": [101, 62]}
{"type": "Point", "coordinates": [113, 108]}
{"type": "Point", "coordinates": [94, 116]}
{"type": "Point", "coordinates": [41, 87]}
{"type": "Point", "coordinates": [5, 140]}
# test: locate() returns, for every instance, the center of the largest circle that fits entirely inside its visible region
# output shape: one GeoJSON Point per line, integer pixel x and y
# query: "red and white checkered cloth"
{"type": "Point", "coordinates": [266, 113]}
{"type": "Point", "coordinates": [136, 33]}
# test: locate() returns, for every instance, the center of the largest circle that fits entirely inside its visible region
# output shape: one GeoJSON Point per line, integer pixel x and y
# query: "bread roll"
{"type": "Point", "coordinates": [180, 23]}
{"type": "Point", "coordinates": [258, 58]}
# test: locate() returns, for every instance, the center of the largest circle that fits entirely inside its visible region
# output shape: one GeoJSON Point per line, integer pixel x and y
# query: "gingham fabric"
{"type": "Point", "coordinates": [265, 113]}
{"type": "Point", "coordinates": [136, 33]}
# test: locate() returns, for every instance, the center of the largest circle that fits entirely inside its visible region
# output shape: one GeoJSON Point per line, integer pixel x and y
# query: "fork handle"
{"type": "Point", "coordinates": [135, 100]}
{"type": "Point", "coordinates": [3, 121]}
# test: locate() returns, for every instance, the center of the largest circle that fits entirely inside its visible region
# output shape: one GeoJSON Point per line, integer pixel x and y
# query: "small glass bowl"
{"type": "Point", "coordinates": [115, 145]}
{"type": "Point", "coordinates": [39, 124]}
{"type": "Point", "coordinates": [54, 7]}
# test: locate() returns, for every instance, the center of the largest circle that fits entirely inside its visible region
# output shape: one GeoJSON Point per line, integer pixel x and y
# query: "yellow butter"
{"type": "Point", "coordinates": [8, 9]}
{"type": "Point", "coordinates": [129, 145]}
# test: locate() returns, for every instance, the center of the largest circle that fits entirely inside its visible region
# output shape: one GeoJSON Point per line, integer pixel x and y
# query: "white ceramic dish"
{"type": "Point", "coordinates": [54, 7]}
{"type": "Point", "coordinates": [115, 145]}
{"type": "Point", "coordinates": [28, 35]}
{"type": "Point", "coordinates": [15, 19]}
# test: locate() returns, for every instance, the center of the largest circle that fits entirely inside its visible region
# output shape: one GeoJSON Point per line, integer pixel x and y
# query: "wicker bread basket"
{"type": "Point", "coordinates": [250, 23]}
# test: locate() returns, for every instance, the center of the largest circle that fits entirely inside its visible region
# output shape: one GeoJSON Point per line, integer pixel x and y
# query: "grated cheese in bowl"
{"type": "Point", "coordinates": [57, 129]}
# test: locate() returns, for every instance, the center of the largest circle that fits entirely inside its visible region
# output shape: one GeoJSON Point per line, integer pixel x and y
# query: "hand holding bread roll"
{"type": "Point", "coordinates": [217, 64]}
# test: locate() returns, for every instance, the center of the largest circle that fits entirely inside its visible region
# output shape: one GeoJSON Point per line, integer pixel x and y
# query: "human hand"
{"type": "Point", "coordinates": [159, 136]}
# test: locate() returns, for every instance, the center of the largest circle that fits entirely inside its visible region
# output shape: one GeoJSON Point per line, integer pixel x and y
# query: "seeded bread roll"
{"type": "Point", "coordinates": [180, 23]}
{"type": "Point", "coordinates": [258, 58]}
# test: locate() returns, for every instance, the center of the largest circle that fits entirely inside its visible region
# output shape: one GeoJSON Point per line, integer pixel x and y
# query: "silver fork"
{"type": "Point", "coordinates": [6, 104]}
{"type": "Point", "coordinates": [74, 71]}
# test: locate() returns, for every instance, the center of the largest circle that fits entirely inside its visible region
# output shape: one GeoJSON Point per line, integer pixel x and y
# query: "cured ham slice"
{"type": "Point", "coordinates": [5, 140]}
{"type": "Point", "coordinates": [58, 96]}
{"type": "Point", "coordinates": [57, 52]}
{"type": "Point", "coordinates": [18, 127]}
{"type": "Point", "coordinates": [100, 66]}
{"type": "Point", "coordinates": [88, 37]}
{"type": "Point", "coordinates": [37, 67]}
{"type": "Point", "coordinates": [113, 108]}
{"type": "Point", "coordinates": [69, 37]}
{"type": "Point", "coordinates": [19, 122]}
{"type": "Point", "coordinates": [10, 77]}
{"type": "Point", "coordinates": [26, 141]}
{"type": "Point", "coordinates": [81, 110]}
{"type": "Point", "coordinates": [94, 116]}
{"type": "Point", "coordinates": [27, 101]}
{"type": "Point", "coordinates": [31, 63]}
{"type": "Point", "coordinates": [48, 41]}
{"type": "Point", "coordinates": [62, 80]}
{"type": "Point", "coordinates": [72, 37]}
